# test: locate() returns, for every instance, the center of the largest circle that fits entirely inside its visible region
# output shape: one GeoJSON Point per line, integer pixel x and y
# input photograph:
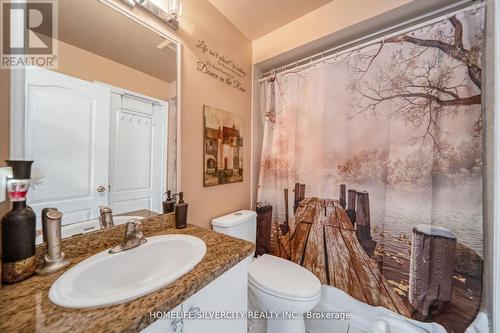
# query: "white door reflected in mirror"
{"type": "Point", "coordinates": [67, 135]}
{"type": "Point", "coordinates": [82, 134]}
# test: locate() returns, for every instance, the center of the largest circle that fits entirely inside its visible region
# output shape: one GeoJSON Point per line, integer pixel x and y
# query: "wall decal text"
{"type": "Point", "coordinates": [220, 67]}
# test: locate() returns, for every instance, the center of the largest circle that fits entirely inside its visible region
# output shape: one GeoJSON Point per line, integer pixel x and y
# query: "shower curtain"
{"type": "Point", "coordinates": [399, 121]}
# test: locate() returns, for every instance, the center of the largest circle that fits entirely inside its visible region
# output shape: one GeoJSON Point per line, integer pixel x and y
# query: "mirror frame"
{"type": "Point", "coordinates": [17, 80]}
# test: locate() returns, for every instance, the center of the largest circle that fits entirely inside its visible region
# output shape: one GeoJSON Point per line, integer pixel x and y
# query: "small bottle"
{"type": "Point", "coordinates": [181, 209]}
{"type": "Point", "coordinates": [169, 203]}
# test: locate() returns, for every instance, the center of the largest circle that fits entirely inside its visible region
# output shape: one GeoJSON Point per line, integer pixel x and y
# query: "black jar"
{"type": "Point", "coordinates": [18, 227]}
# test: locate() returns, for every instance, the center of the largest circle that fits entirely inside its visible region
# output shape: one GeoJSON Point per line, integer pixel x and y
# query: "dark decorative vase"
{"type": "Point", "coordinates": [18, 227]}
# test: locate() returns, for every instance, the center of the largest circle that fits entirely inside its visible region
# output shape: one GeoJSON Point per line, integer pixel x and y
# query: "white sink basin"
{"type": "Point", "coordinates": [88, 226]}
{"type": "Point", "coordinates": [106, 279]}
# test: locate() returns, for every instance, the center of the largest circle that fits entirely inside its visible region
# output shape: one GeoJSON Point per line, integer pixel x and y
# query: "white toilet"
{"type": "Point", "coordinates": [277, 286]}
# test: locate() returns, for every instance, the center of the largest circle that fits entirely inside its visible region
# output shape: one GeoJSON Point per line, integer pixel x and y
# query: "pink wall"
{"type": "Point", "coordinates": [202, 21]}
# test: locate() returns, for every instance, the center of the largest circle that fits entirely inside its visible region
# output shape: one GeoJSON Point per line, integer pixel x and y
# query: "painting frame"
{"type": "Point", "coordinates": [222, 147]}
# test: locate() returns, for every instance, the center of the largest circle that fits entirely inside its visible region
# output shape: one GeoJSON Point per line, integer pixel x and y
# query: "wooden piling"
{"type": "Point", "coordinates": [299, 195]}
{"type": "Point", "coordinates": [302, 192]}
{"type": "Point", "coordinates": [363, 228]}
{"type": "Point", "coordinates": [351, 205]}
{"type": "Point", "coordinates": [342, 194]}
{"type": "Point", "coordinates": [431, 269]}
{"type": "Point", "coordinates": [363, 216]}
{"type": "Point", "coordinates": [286, 205]}
{"type": "Point", "coordinates": [285, 228]}
{"type": "Point", "coordinates": [264, 220]}
{"type": "Point", "coordinates": [351, 199]}
{"type": "Point", "coordinates": [296, 194]}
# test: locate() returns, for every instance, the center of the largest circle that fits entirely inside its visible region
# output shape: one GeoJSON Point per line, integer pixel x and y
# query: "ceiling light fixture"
{"type": "Point", "coordinates": [169, 15]}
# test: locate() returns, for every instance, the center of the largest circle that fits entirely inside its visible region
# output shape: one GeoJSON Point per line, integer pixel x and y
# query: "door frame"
{"type": "Point", "coordinates": [164, 143]}
{"type": "Point", "coordinates": [17, 113]}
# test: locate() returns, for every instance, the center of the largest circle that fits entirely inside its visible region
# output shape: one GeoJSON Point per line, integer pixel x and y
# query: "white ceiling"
{"type": "Point", "coordinates": [94, 27]}
{"type": "Point", "coordinates": [256, 18]}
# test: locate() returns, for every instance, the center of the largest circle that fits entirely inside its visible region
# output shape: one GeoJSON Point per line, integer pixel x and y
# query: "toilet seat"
{"type": "Point", "coordinates": [283, 279]}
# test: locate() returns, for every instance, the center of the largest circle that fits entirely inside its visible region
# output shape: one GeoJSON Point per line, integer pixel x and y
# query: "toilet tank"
{"type": "Point", "coordinates": [241, 224]}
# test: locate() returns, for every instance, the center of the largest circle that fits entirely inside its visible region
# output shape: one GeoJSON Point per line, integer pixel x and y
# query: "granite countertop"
{"type": "Point", "coordinates": [25, 306]}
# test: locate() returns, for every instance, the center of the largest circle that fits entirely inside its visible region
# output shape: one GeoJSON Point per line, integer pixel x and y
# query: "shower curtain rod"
{"type": "Point", "coordinates": [376, 37]}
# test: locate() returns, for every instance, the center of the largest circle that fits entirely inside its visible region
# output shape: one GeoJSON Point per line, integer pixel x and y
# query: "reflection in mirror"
{"type": "Point", "coordinates": [101, 127]}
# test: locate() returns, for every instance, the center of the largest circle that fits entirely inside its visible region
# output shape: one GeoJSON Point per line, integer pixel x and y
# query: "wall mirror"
{"type": "Point", "coordinates": [101, 128]}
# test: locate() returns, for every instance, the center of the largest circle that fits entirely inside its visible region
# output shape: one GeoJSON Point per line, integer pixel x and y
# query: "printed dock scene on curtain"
{"type": "Point", "coordinates": [223, 147]}
{"type": "Point", "coordinates": [372, 166]}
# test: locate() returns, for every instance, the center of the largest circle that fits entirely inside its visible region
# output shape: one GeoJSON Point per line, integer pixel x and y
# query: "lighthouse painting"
{"type": "Point", "coordinates": [223, 147]}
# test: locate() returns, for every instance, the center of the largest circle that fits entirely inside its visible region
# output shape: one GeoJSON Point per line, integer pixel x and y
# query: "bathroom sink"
{"type": "Point", "coordinates": [107, 279]}
{"type": "Point", "coordinates": [88, 226]}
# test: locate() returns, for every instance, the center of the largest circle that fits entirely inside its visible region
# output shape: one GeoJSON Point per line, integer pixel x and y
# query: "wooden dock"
{"type": "Point", "coordinates": [323, 239]}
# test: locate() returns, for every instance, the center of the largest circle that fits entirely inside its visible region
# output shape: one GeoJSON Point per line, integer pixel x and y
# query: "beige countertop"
{"type": "Point", "coordinates": [25, 306]}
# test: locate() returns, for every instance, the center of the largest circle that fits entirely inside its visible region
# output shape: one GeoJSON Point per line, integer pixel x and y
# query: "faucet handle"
{"type": "Point", "coordinates": [104, 210]}
{"type": "Point", "coordinates": [134, 226]}
{"type": "Point", "coordinates": [133, 237]}
{"type": "Point", "coordinates": [105, 217]}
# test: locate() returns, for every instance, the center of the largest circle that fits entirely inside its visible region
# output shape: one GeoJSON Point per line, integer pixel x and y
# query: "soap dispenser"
{"type": "Point", "coordinates": [181, 209]}
{"type": "Point", "coordinates": [169, 203]}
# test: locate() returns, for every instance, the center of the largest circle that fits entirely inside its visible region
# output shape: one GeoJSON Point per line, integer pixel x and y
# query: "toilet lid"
{"type": "Point", "coordinates": [283, 278]}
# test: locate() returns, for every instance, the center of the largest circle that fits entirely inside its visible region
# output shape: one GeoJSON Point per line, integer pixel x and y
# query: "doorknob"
{"type": "Point", "coordinates": [101, 189]}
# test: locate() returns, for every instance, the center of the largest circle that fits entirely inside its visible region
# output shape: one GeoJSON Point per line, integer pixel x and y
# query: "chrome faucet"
{"type": "Point", "coordinates": [106, 217]}
{"type": "Point", "coordinates": [133, 237]}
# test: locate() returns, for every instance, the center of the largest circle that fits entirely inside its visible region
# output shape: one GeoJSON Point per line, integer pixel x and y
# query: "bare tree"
{"type": "Point", "coordinates": [432, 78]}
